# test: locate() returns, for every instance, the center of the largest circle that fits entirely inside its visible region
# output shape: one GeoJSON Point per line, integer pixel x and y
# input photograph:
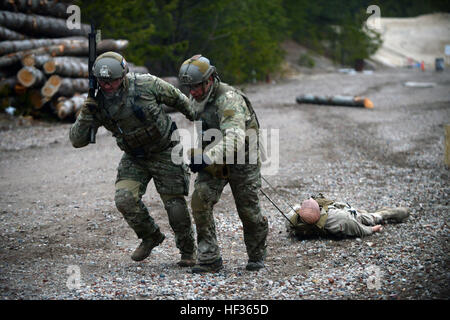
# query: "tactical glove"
{"type": "Point", "coordinates": [90, 106]}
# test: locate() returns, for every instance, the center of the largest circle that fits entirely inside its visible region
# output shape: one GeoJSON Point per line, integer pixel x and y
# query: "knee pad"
{"type": "Point", "coordinates": [125, 201]}
{"type": "Point", "coordinates": [204, 198]}
{"type": "Point", "coordinates": [127, 196]}
{"type": "Point", "coordinates": [176, 208]}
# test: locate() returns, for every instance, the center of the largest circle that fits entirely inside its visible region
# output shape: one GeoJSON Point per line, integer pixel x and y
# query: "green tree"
{"type": "Point", "coordinates": [333, 28]}
{"type": "Point", "coordinates": [238, 36]}
{"type": "Point", "coordinates": [148, 25]}
{"type": "Point", "coordinates": [243, 39]}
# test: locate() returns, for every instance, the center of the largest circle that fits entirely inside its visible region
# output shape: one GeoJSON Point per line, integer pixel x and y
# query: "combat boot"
{"type": "Point", "coordinates": [255, 265]}
{"type": "Point", "coordinates": [187, 260]}
{"type": "Point", "coordinates": [146, 247]}
{"type": "Point", "coordinates": [396, 214]}
{"type": "Point", "coordinates": [208, 267]}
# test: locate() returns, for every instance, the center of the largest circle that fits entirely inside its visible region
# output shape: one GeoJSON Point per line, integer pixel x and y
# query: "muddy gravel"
{"type": "Point", "coordinates": [62, 237]}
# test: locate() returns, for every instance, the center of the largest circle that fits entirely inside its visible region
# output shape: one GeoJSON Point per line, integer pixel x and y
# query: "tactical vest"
{"type": "Point", "coordinates": [140, 128]}
{"type": "Point", "coordinates": [304, 230]}
{"type": "Point", "coordinates": [210, 118]}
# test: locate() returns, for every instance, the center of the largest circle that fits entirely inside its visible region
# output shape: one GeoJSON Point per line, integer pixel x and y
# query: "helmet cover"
{"type": "Point", "coordinates": [310, 211]}
{"type": "Point", "coordinates": [110, 66]}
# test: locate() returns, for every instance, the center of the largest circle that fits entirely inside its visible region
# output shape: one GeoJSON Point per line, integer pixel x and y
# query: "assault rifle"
{"type": "Point", "coordinates": [95, 36]}
{"type": "Point", "coordinates": [92, 36]}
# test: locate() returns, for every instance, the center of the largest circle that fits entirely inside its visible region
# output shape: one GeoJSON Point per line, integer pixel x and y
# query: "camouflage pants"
{"type": "Point", "coordinates": [347, 221]}
{"type": "Point", "coordinates": [245, 182]}
{"type": "Point", "coordinates": [172, 184]}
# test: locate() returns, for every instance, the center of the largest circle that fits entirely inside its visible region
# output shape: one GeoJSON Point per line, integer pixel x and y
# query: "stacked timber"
{"type": "Point", "coordinates": [43, 63]}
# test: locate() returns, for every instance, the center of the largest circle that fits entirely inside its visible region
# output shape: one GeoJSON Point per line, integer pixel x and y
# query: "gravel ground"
{"type": "Point", "coordinates": [58, 215]}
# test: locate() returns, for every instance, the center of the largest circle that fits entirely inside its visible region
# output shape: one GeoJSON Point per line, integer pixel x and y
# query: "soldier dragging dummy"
{"type": "Point", "coordinates": [319, 216]}
{"type": "Point", "coordinates": [221, 107]}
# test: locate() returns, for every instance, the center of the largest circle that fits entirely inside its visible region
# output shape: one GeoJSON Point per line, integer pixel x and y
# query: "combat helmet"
{"type": "Point", "coordinates": [110, 65]}
{"type": "Point", "coordinates": [195, 70]}
{"type": "Point", "coordinates": [309, 211]}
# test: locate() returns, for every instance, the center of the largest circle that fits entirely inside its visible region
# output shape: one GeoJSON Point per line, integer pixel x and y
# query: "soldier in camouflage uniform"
{"type": "Point", "coordinates": [319, 216]}
{"type": "Point", "coordinates": [222, 107]}
{"type": "Point", "coordinates": [130, 106]}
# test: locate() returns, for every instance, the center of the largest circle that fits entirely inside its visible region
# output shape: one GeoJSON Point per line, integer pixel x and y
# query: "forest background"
{"type": "Point", "coordinates": [243, 38]}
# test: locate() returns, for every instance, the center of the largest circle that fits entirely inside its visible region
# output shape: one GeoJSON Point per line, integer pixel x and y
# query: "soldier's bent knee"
{"type": "Point", "coordinates": [125, 201]}
{"type": "Point", "coordinates": [176, 207]}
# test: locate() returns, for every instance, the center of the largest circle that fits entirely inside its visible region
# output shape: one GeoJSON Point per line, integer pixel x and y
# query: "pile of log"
{"type": "Point", "coordinates": [43, 63]}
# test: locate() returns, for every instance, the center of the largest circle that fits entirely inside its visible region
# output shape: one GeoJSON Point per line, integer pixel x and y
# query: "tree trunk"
{"type": "Point", "coordinates": [81, 47]}
{"type": "Point", "coordinates": [51, 86]}
{"type": "Point", "coordinates": [7, 34]}
{"type": "Point", "coordinates": [349, 101]}
{"type": "Point", "coordinates": [30, 77]}
{"type": "Point", "coordinates": [44, 7]}
{"type": "Point", "coordinates": [67, 68]}
{"type": "Point", "coordinates": [38, 61]}
{"type": "Point", "coordinates": [64, 86]}
{"type": "Point", "coordinates": [22, 45]}
{"type": "Point", "coordinates": [75, 47]}
{"type": "Point", "coordinates": [111, 45]}
{"type": "Point", "coordinates": [66, 107]}
{"type": "Point", "coordinates": [34, 60]}
{"type": "Point", "coordinates": [76, 67]}
{"type": "Point", "coordinates": [40, 25]}
{"type": "Point", "coordinates": [15, 57]}
{"type": "Point", "coordinates": [70, 86]}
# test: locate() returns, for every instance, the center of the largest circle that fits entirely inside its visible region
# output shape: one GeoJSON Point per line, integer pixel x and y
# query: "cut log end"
{"type": "Point", "coordinates": [51, 86]}
{"type": "Point", "coordinates": [28, 61]}
{"type": "Point", "coordinates": [368, 104]}
{"type": "Point", "coordinates": [54, 80]}
{"type": "Point", "coordinates": [47, 91]}
{"type": "Point", "coordinates": [30, 77]}
{"type": "Point", "coordinates": [50, 67]}
{"type": "Point", "coordinates": [62, 109]}
{"type": "Point", "coordinates": [26, 78]}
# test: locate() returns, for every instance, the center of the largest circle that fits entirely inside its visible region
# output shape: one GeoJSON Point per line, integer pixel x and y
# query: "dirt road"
{"type": "Point", "coordinates": [59, 223]}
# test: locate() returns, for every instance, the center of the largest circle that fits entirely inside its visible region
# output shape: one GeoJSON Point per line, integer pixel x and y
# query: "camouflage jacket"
{"type": "Point", "coordinates": [230, 111]}
{"type": "Point", "coordinates": [136, 117]}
